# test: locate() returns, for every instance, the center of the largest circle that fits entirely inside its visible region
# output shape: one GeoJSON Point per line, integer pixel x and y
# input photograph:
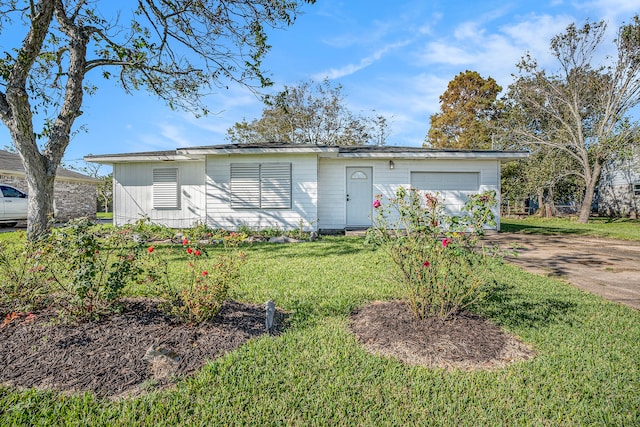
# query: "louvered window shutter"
{"type": "Point", "coordinates": [275, 185]}
{"type": "Point", "coordinates": [245, 185]}
{"type": "Point", "coordinates": [165, 189]}
{"type": "Point", "coordinates": [261, 186]}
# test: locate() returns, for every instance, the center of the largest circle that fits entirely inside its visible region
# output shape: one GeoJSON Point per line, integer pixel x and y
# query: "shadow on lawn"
{"type": "Point", "coordinates": [319, 248]}
{"type": "Point", "coordinates": [546, 230]}
{"type": "Point", "coordinates": [511, 308]}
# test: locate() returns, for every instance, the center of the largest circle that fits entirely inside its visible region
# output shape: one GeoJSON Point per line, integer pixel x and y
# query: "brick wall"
{"type": "Point", "coordinates": [72, 199]}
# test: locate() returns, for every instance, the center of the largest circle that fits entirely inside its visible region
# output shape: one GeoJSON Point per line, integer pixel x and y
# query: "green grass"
{"type": "Point", "coordinates": [104, 215]}
{"type": "Point", "coordinates": [587, 371]}
{"type": "Point", "coordinates": [616, 228]}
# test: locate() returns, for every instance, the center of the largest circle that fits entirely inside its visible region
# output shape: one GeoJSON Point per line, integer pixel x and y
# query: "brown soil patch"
{"type": "Point", "coordinates": [469, 342]}
{"type": "Point", "coordinates": [123, 355]}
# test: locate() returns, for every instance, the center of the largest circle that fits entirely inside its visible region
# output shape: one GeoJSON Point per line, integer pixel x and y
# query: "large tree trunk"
{"type": "Point", "coordinates": [587, 201]}
{"type": "Point", "coordinates": [540, 211]}
{"type": "Point", "coordinates": [40, 175]}
{"type": "Point", "coordinates": [40, 213]}
{"type": "Point", "coordinates": [41, 167]}
{"type": "Point", "coordinates": [551, 204]}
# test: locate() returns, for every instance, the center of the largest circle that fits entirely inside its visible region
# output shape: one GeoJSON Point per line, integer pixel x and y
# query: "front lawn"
{"type": "Point", "coordinates": [587, 371]}
{"type": "Point", "coordinates": [615, 228]}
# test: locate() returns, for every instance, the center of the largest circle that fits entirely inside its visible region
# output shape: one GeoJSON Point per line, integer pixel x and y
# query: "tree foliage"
{"type": "Point", "coordinates": [310, 114]}
{"type": "Point", "coordinates": [579, 110]}
{"type": "Point", "coordinates": [178, 50]}
{"type": "Point", "coordinates": [547, 175]}
{"type": "Point", "coordinates": [467, 108]}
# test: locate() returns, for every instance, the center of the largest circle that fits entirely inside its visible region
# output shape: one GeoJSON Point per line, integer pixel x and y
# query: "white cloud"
{"type": "Point", "coordinates": [610, 8]}
{"type": "Point", "coordinates": [445, 52]}
{"type": "Point", "coordinates": [336, 73]}
{"type": "Point", "coordinates": [535, 33]}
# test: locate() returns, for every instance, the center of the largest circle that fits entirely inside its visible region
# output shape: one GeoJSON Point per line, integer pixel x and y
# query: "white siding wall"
{"type": "Point", "coordinates": [332, 181]}
{"type": "Point", "coordinates": [304, 194]}
{"type": "Point", "coordinates": [133, 194]}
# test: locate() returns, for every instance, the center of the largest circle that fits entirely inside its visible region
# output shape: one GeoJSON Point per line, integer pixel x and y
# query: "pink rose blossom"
{"type": "Point", "coordinates": [446, 241]}
{"type": "Point", "coordinates": [376, 204]}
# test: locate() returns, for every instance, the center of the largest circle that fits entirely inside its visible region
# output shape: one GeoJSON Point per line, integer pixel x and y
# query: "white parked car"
{"type": "Point", "coordinates": [13, 205]}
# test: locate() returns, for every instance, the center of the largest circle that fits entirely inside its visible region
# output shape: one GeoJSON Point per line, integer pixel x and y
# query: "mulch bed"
{"type": "Point", "coordinates": [143, 349]}
{"type": "Point", "coordinates": [469, 342]}
{"type": "Point", "coordinates": [123, 354]}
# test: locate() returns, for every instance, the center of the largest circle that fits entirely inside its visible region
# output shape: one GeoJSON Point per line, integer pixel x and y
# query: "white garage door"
{"type": "Point", "coordinates": [454, 187]}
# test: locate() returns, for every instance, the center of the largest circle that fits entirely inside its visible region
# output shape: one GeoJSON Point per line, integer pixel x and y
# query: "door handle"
{"type": "Point", "coordinates": [348, 198]}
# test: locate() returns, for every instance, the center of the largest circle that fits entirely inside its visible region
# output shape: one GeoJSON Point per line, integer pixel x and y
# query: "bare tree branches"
{"type": "Point", "coordinates": [580, 109]}
{"type": "Point", "coordinates": [177, 49]}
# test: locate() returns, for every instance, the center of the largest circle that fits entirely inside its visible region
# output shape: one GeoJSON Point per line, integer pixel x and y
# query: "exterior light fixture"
{"type": "Point", "coordinates": [391, 164]}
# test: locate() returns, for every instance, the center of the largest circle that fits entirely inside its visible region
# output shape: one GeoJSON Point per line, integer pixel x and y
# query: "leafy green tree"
{"type": "Point", "coordinates": [467, 108]}
{"type": "Point", "coordinates": [310, 114]}
{"type": "Point", "coordinates": [179, 50]}
{"type": "Point", "coordinates": [546, 175]}
{"type": "Point", "coordinates": [581, 108]}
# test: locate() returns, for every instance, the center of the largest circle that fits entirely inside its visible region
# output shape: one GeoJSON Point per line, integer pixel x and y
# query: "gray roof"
{"type": "Point", "coordinates": [391, 149]}
{"type": "Point", "coordinates": [372, 151]}
{"type": "Point", "coordinates": [12, 163]}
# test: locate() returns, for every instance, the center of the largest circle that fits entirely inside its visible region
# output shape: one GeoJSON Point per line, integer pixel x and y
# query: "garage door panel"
{"type": "Point", "coordinates": [453, 187]}
{"type": "Point", "coordinates": [446, 181]}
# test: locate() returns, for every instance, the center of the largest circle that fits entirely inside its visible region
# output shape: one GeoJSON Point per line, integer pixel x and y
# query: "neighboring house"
{"type": "Point", "coordinates": [323, 188]}
{"type": "Point", "coordinates": [74, 194]}
{"type": "Point", "coordinates": [619, 188]}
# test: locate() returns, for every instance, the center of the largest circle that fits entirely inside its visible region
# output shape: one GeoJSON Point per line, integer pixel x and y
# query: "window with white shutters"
{"type": "Point", "coordinates": [261, 185]}
{"type": "Point", "coordinates": [165, 189]}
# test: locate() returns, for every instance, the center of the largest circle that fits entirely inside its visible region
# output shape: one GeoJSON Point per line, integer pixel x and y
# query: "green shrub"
{"type": "Point", "coordinates": [23, 284]}
{"type": "Point", "coordinates": [197, 292]}
{"type": "Point", "coordinates": [433, 253]}
{"type": "Point", "coordinates": [144, 230]}
{"type": "Point", "coordinates": [201, 231]}
{"type": "Point", "coordinates": [87, 272]}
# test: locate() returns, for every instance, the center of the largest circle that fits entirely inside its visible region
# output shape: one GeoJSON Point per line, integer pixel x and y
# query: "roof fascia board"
{"type": "Point", "coordinates": [256, 150]}
{"type": "Point", "coordinates": [440, 155]}
{"type": "Point", "coordinates": [133, 158]}
{"type": "Point", "coordinates": [23, 175]}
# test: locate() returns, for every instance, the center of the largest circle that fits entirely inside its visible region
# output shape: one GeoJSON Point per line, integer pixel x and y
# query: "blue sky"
{"type": "Point", "coordinates": [394, 57]}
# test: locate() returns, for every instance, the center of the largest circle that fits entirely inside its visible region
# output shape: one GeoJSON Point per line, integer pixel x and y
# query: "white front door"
{"type": "Point", "coordinates": [359, 196]}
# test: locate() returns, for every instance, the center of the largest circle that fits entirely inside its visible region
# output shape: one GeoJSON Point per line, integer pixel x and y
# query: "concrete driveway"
{"type": "Point", "coordinates": [606, 267]}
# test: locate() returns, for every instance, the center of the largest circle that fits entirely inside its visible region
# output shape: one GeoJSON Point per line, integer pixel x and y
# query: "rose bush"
{"type": "Point", "coordinates": [200, 288]}
{"type": "Point", "coordinates": [435, 256]}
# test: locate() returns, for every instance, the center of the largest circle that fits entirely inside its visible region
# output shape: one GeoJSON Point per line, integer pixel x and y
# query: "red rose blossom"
{"type": "Point", "coordinates": [426, 264]}
{"type": "Point", "coordinates": [189, 250]}
{"type": "Point", "coordinates": [150, 249]}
